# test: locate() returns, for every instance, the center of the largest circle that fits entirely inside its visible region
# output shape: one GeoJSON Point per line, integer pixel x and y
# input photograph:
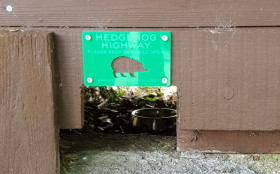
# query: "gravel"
{"type": "Point", "coordinates": [102, 154]}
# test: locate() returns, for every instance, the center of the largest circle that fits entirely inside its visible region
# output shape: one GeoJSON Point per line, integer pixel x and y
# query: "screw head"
{"type": "Point", "coordinates": [89, 80]}
{"type": "Point", "coordinates": [9, 8]}
{"type": "Point", "coordinates": [164, 38]}
{"type": "Point", "coordinates": [88, 37]}
{"type": "Point", "coordinates": [164, 80]}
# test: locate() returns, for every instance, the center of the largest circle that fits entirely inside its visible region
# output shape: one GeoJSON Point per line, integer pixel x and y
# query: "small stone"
{"type": "Point", "coordinates": [256, 158]}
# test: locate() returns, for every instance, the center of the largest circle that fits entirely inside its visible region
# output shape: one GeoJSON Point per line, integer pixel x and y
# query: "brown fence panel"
{"type": "Point", "coordinates": [28, 132]}
{"type": "Point", "coordinates": [227, 78]}
{"type": "Point", "coordinates": [229, 141]}
{"type": "Point", "coordinates": [139, 13]}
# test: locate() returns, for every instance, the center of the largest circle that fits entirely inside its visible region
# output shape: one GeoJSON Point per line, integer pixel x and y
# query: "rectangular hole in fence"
{"type": "Point", "coordinates": [121, 119]}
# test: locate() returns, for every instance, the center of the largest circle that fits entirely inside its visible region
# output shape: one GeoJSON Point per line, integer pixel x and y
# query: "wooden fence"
{"type": "Point", "coordinates": [225, 62]}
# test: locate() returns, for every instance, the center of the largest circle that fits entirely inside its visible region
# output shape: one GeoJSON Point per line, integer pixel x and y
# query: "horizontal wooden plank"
{"type": "Point", "coordinates": [139, 13]}
{"type": "Point", "coordinates": [229, 141]}
{"type": "Point", "coordinates": [227, 78]}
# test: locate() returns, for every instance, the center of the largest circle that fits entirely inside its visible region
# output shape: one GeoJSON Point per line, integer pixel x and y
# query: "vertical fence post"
{"type": "Point", "coordinates": [28, 130]}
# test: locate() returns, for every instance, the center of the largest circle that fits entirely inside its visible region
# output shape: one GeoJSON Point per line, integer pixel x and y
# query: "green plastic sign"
{"type": "Point", "coordinates": [123, 58]}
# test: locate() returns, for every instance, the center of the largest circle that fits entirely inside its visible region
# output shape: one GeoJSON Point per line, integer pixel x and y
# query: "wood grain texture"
{"type": "Point", "coordinates": [69, 77]}
{"type": "Point", "coordinates": [229, 141]}
{"type": "Point", "coordinates": [28, 132]}
{"type": "Point", "coordinates": [139, 13]}
{"type": "Point", "coordinates": [227, 78]}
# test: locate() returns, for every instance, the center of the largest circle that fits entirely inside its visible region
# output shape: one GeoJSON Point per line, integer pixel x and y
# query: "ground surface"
{"type": "Point", "coordinates": [119, 154]}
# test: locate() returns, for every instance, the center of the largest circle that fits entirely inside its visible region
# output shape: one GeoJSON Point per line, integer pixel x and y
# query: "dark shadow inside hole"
{"type": "Point", "coordinates": [109, 110]}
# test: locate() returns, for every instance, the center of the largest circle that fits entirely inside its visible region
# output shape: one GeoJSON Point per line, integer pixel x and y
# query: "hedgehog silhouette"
{"type": "Point", "coordinates": [125, 64]}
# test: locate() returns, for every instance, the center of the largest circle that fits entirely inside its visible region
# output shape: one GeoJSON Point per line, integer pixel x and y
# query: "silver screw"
{"type": "Point", "coordinates": [9, 8]}
{"type": "Point", "coordinates": [89, 80]}
{"type": "Point", "coordinates": [88, 37]}
{"type": "Point", "coordinates": [164, 80]}
{"type": "Point", "coordinates": [164, 38]}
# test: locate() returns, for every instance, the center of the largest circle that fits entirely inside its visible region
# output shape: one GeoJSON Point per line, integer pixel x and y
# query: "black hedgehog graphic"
{"type": "Point", "coordinates": [126, 64]}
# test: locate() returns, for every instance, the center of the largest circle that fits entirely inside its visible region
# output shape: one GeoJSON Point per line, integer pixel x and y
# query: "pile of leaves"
{"type": "Point", "coordinates": [109, 110]}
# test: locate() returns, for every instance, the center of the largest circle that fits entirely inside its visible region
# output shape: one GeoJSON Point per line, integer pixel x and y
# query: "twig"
{"type": "Point", "coordinates": [102, 104]}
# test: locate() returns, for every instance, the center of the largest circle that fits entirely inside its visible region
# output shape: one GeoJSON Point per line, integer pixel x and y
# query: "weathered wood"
{"type": "Point", "coordinates": [28, 133]}
{"type": "Point", "coordinates": [69, 77]}
{"type": "Point", "coordinates": [208, 66]}
{"type": "Point", "coordinates": [229, 141]}
{"type": "Point", "coordinates": [139, 13]}
{"type": "Point", "coordinates": [227, 78]}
